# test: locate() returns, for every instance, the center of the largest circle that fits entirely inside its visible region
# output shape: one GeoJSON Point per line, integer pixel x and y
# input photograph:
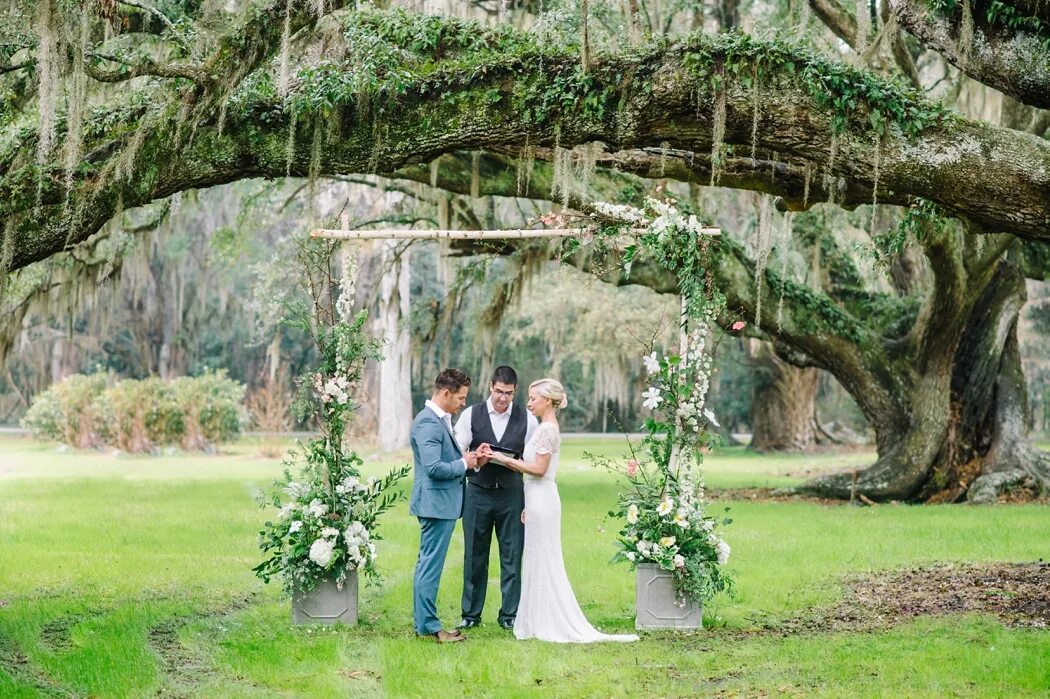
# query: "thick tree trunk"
{"type": "Point", "coordinates": [783, 404]}
{"type": "Point", "coordinates": [968, 434]}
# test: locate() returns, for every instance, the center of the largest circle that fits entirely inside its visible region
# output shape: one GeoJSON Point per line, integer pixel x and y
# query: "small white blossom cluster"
{"type": "Point", "coordinates": [661, 217]}
{"type": "Point", "coordinates": [344, 305]}
{"type": "Point", "coordinates": [335, 390]}
{"type": "Point", "coordinates": [658, 539]}
{"type": "Point", "coordinates": [693, 378]}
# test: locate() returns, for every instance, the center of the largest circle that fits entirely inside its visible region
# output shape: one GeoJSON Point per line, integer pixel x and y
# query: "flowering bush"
{"type": "Point", "coordinates": [665, 516]}
{"type": "Point", "coordinates": [326, 524]}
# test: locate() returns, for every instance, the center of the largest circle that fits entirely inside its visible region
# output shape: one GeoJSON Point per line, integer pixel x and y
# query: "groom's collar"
{"type": "Point", "coordinates": [437, 409]}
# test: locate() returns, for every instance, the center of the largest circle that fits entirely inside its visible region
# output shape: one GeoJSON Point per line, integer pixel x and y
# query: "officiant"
{"type": "Point", "coordinates": [495, 498]}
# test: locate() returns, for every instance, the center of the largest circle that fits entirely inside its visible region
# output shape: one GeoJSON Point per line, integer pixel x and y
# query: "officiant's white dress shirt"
{"type": "Point", "coordinates": [465, 431]}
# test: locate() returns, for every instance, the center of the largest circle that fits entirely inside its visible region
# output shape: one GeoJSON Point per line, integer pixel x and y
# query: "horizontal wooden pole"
{"type": "Point", "coordinates": [424, 234]}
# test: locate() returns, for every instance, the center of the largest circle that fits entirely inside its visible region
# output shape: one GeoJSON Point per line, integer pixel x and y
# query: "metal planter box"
{"type": "Point", "coordinates": [327, 604]}
{"type": "Point", "coordinates": [656, 605]}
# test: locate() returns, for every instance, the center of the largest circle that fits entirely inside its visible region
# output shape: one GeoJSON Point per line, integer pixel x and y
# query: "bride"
{"type": "Point", "coordinates": [548, 609]}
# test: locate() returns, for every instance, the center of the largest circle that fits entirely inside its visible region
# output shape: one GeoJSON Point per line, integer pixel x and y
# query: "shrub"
{"type": "Point", "coordinates": [66, 412]}
{"type": "Point", "coordinates": [136, 416]}
{"type": "Point", "coordinates": [211, 407]}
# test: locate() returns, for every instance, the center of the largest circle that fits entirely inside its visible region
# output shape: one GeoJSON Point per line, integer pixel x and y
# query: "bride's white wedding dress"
{"type": "Point", "coordinates": [548, 610]}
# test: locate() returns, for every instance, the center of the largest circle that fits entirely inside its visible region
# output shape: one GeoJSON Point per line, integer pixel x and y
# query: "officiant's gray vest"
{"type": "Point", "coordinates": [493, 475]}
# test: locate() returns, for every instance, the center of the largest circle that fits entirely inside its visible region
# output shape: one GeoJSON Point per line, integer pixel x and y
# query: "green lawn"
{"type": "Point", "coordinates": [130, 576]}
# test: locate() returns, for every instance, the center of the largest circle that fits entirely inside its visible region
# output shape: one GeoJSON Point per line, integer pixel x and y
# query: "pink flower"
{"type": "Point", "coordinates": [739, 325]}
{"type": "Point", "coordinates": [632, 467]}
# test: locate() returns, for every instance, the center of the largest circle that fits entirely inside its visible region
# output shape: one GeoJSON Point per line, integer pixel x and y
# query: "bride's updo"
{"type": "Point", "coordinates": [552, 390]}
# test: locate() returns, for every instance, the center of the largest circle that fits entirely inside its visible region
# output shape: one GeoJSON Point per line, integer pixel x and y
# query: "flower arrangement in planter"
{"type": "Point", "coordinates": [326, 526]}
{"type": "Point", "coordinates": [666, 520]}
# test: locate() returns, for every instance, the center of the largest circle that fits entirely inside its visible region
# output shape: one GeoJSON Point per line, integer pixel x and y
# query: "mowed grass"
{"type": "Point", "coordinates": [130, 576]}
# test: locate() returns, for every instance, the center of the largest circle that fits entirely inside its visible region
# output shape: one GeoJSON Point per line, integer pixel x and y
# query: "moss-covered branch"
{"type": "Point", "coordinates": [997, 45]}
{"type": "Point", "coordinates": [425, 86]}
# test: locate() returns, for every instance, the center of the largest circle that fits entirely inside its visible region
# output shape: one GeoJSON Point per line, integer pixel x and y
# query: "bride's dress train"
{"type": "Point", "coordinates": [548, 610]}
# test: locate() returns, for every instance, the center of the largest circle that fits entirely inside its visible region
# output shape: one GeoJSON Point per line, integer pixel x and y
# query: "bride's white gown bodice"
{"type": "Point", "coordinates": [548, 609]}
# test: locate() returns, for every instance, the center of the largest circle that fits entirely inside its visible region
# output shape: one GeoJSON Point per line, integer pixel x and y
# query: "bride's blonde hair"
{"type": "Point", "coordinates": [552, 390]}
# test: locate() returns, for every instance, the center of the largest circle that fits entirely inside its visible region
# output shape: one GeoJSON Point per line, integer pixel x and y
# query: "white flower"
{"type": "Point", "coordinates": [711, 417]}
{"type": "Point", "coordinates": [286, 510]}
{"type": "Point", "coordinates": [723, 552]}
{"type": "Point", "coordinates": [329, 532]}
{"type": "Point", "coordinates": [372, 551]}
{"type": "Point", "coordinates": [665, 507]}
{"type": "Point", "coordinates": [682, 522]}
{"type": "Point", "coordinates": [643, 546]}
{"type": "Point", "coordinates": [296, 490]}
{"type": "Point", "coordinates": [357, 530]}
{"type": "Point", "coordinates": [321, 552]}
{"type": "Point", "coordinates": [667, 541]}
{"type": "Point", "coordinates": [340, 489]}
{"type": "Point", "coordinates": [632, 514]}
{"type": "Point", "coordinates": [630, 556]}
{"type": "Point", "coordinates": [679, 561]}
{"type": "Point", "coordinates": [652, 364]}
{"type": "Point", "coordinates": [653, 399]}
{"type": "Point", "coordinates": [295, 526]}
{"type": "Point", "coordinates": [317, 508]}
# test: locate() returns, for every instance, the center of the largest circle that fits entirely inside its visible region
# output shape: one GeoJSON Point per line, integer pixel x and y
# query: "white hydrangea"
{"type": "Point", "coordinates": [317, 508]}
{"type": "Point", "coordinates": [329, 532]}
{"type": "Point", "coordinates": [723, 552]}
{"type": "Point", "coordinates": [295, 526]}
{"type": "Point", "coordinates": [322, 551]}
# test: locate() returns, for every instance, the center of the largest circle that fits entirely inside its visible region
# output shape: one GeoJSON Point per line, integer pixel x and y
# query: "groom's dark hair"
{"type": "Point", "coordinates": [505, 375]}
{"type": "Point", "coordinates": [452, 379]}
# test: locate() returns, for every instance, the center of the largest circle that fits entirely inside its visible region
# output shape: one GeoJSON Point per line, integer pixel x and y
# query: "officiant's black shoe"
{"type": "Point", "coordinates": [468, 624]}
{"type": "Point", "coordinates": [505, 624]}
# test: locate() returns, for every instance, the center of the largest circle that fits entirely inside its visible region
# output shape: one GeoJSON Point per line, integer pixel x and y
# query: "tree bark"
{"type": "Point", "coordinates": [996, 177]}
{"type": "Point", "coordinates": [783, 403]}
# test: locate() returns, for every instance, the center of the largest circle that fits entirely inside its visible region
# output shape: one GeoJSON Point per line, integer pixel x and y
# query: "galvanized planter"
{"type": "Point", "coordinates": [327, 604]}
{"type": "Point", "coordinates": [656, 605]}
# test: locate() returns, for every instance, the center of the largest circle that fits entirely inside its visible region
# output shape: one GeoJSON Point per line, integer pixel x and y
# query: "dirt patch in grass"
{"type": "Point", "coordinates": [183, 669]}
{"type": "Point", "coordinates": [1017, 593]}
{"type": "Point", "coordinates": [15, 663]}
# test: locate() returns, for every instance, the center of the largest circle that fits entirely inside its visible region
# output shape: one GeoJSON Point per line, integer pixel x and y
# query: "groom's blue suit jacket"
{"type": "Point", "coordinates": [437, 486]}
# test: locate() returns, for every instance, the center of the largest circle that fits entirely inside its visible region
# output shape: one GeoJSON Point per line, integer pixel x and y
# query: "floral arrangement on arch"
{"type": "Point", "coordinates": [326, 524]}
{"type": "Point", "coordinates": [666, 519]}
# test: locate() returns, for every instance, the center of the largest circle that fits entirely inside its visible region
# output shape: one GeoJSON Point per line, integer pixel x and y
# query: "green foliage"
{"type": "Point", "coordinates": [328, 526]}
{"type": "Point", "coordinates": [858, 100]}
{"type": "Point", "coordinates": [139, 415]}
{"type": "Point", "coordinates": [66, 411]}
{"type": "Point", "coordinates": [997, 14]}
{"type": "Point", "coordinates": [212, 408]}
{"type": "Point", "coordinates": [94, 410]}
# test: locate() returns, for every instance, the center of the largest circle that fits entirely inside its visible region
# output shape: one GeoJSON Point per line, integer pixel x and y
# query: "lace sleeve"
{"type": "Point", "coordinates": [547, 439]}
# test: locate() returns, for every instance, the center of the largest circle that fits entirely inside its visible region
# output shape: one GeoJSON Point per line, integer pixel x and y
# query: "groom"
{"type": "Point", "coordinates": [494, 499]}
{"type": "Point", "coordinates": [437, 495]}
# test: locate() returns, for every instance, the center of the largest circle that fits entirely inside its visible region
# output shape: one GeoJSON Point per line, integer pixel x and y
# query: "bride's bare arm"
{"type": "Point", "coordinates": [535, 468]}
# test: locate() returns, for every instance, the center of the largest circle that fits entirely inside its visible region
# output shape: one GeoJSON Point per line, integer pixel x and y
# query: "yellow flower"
{"type": "Point", "coordinates": [667, 541]}
{"type": "Point", "coordinates": [665, 507]}
{"type": "Point", "coordinates": [632, 514]}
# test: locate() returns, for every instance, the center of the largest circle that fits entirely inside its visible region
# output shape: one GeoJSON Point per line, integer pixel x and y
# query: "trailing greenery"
{"type": "Point", "coordinates": [997, 14]}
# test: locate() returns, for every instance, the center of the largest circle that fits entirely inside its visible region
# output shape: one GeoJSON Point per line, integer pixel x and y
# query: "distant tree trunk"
{"type": "Point", "coordinates": [783, 403]}
{"type": "Point", "coordinates": [395, 371]}
{"type": "Point", "coordinates": [386, 415]}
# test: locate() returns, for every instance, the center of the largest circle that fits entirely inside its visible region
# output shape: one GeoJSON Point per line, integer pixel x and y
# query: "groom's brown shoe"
{"type": "Point", "coordinates": [445, 637]}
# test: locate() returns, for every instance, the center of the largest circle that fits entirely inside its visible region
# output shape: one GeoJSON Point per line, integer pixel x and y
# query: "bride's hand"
{"type": "Point", "coordinates": [523, 518]}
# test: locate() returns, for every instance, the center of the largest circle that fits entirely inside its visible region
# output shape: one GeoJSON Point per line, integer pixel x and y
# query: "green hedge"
{"type": "Point", "coordinates": [94, 410]}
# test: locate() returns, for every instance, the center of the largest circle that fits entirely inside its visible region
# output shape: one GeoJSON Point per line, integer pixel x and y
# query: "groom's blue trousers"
{"type": "Point", "coordinates": [434, 535]}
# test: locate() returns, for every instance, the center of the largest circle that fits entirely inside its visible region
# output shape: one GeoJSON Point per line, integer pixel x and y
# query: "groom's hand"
{"type": "Point", "coordinates": [471, 459]}
{"type": "Point", "coordinates": [484, 454]}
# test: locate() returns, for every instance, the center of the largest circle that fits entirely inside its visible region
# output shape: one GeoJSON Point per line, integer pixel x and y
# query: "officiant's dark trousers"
{"type": "Point", "coordinates": [486, 510]}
